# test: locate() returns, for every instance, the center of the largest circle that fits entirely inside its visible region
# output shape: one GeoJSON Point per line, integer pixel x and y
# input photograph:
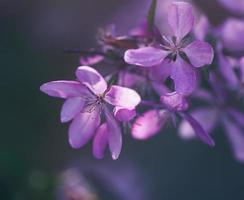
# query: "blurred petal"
{"type": "Point", "coordinates": [149, 124]}
{"type": "Point", "coordinates": [174, 101]}
{"type": "Point", "coordinates": [180, 19]}
{"type": "Point", "coordinates": [122, 97]}
{"type": "Point", "coordinates": [207, 118]}
{"type": "Point", "coordinates": [198, 129]}
{"type": "Point", "coordinates": [199, 53]}
{"type": "Point", "coordinates": [236, 139]}
{"type": "Point", "coordinates": [100, 141]}
{"type": "Point", "coordinates": [123, 114]}
{"type": "Point", "coordinates": [242, 70]}
{"type": "Point", "coordinates": [92, 79]}
{"type": "Point", "coordinates": [203, 94]}
{"type": "Point", "coordinates": [231, 33]}
{"type": "Point", "coordinates": [83, 128]}
{"type": "Point", "coordinates": [115, 136]}
{"type": "Point", "coordinates": [91, 60]}
{"type": "Point", "coordinates": [129, 79]}
{"type": "Point", "coordinates": [202, 28]}
{"type": "Point", "coordinates": [160, 88]}
{"type": "Point", "coordinates": [237, 115]}
{"type": "Point", "coordinates": [146, 56]}
{"type": "Point", "coordinates": [71, 108]}
{"type": "Point", "coordinates": [235, 6]}
{"type": "Point", "coordinates": [63, 89]}
{"type": "Point", "coordinates": [184, 76]}
{"type": "Point", "coordinates": [142, 31]}
{"type": "Point", "coordinates": [226, 68]}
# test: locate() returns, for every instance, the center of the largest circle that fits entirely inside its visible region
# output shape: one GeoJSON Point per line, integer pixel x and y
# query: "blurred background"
{"type": "Point", "coordinates": [36, 161]}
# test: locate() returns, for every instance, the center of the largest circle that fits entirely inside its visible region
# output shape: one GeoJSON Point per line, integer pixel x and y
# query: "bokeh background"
{"type": "Point", "coordinates": [34, 150]}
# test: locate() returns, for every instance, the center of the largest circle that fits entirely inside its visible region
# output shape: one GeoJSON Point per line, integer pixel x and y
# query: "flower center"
{"type": "Point", "coordinates": [173, 46]}
{"type": "Point", "coordinates": [94, 102]}
{"type": "Point", "coordinates": [99, 98]}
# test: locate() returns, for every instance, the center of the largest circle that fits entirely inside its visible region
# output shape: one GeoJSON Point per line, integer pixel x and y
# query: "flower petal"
{"type": "Point", "coordinates": [129, 79]}
{"type": "Point", "coordinates": [161, 72]}
{"type": "Point", "coordinates": [63, 89]}
{"type": "Point", "coordinates": [226, 68]}
{"type": "Point", "coordinates": [174, 101]}
{"type": "Point", "coordinates": [100, 141]}
{"type": "Point", "coordinates": [149, 124]}
{"type": "Point", "coordinates": [199, 53]}
{"type": "Point", "coordinates": [235, 6]}
{"type": "Point", "coordinates": [83, 128]}
{"type": "Point", "coordinates": [115, 136]}
{"type": "Point", "coordinates": [160, 88]}
{"type": "Point", "coordinates": [122, 97]}
{"type": "Point", "coordinates": [202, 28]}
{"type": "Point", "coordinates": [146, 56]}
{"type": "Point", "coordinates": [123, 114]}
{"type": "Point", "coordinates": [180, 19]}
{"type": "Point", "coordinates": [242, 70]}
{"type": "Point", "coordinates": [91, 60]}
{"type": "Point", "coordinates": [92, 79]}
{"type": "Point", "coordinates": [71, 108]}
{"type": "Point", "coordinates": [184, 76]}
{"type": "Point", "coordinates": [231, 34]}
{"type": "Point", "coordinates": [236, 139]}
{"type": "Point", "coordinates": [203, 95]}
{"type": "Point", "coordinates": [198, 129]}
{"type": "Point", "coordinates": [237, 115]}
{"type": "Point", "coordinates": [207, 118]}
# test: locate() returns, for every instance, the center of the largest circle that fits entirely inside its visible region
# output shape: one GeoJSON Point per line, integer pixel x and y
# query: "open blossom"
{"type": "Point", "coordinates": [177, 58]}
{"type": "Point", "coordinates": [89, 99]}
{"type": "Point", "coordinates": [151, 122]}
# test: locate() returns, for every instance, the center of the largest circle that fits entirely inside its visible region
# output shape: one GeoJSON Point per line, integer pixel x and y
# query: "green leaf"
{"type": "Point", "coordinates": [151, 15]}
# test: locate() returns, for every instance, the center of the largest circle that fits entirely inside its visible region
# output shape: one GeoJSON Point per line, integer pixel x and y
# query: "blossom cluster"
{"type": "Point", "coordinates": [192, 76]}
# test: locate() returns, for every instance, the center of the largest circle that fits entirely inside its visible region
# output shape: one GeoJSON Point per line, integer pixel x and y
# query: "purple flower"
{"type": "Point", "coordinates": [218, 112]}
{"type": "Point", "coordinates": [174, 101]}
{"type": "Point", "coordinates": [88, 180]}
{"type": "Point", "coordinates": [174, 52]}
{"type": "Point", "coordinates": [227, 67]}
{"type": "Point", "coordinates": [231, 69]}
{"type": "Point", "coordinates": [235, 6]}
{"type": "Point", "coordinates": [210, 117]}
{"type": "Point", "coordinates": [86, 100]}
{"type": "Point", "coordinates": [152, 121]}
{"type": "Point", "coordinates": [231, 34]}
{"type": "Point", "coordinates": [149, 124]}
